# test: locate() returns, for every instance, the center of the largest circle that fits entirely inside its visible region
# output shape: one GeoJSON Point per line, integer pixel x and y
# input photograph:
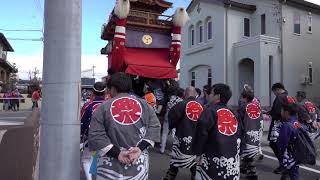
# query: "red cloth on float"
{"type": "Point", "coordinates": [151, 63]}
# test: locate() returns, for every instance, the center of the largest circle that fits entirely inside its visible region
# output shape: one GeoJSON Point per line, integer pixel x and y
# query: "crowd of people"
{"type": "Point", "coordinates": [11, 100]}
{"type": "Point", "coordinates": [214, 141]}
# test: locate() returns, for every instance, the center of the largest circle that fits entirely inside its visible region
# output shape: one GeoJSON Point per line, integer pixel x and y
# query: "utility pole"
{"type": "Point", "coordinates": [60, 124]}
{"type": "Point", "coordinates": [93, 71]}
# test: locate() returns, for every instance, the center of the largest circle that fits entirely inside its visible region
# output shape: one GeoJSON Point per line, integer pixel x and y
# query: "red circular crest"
{"type": "Point", "coordinates": [126, 111]}
{"type": "Point", "coordinates": [253, 111]}
{"type": "Point", "coordinates": [296, 125]}
{"type": "Point", "coordinates": [291, 100]}
{"type": "Point", "coordinates": [227, 122]}
{"type": "Point", "coordinates": [193, 110]}
{"type": "Point", "coordinates": [310, 107]}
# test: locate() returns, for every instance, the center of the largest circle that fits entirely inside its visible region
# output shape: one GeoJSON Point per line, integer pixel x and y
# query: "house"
{"type": "Point", "coordinates": [252, 42]}
{"type": "Point", "coordinates": [5, 67]}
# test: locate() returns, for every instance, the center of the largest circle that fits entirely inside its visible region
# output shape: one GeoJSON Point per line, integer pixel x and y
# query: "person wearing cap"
{"type": "Point", "coordinates": [98, 97]}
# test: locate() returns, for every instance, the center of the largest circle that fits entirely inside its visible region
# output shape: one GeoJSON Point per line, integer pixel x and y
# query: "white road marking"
{"type": "Point", "coordinates": [8, 123]}
{"type": "Point", "coordinates": [8, 118]}
{"type": "Point", "coordinates": [302, 167]}
{"type": "Point", "coordinates": [1, 134]}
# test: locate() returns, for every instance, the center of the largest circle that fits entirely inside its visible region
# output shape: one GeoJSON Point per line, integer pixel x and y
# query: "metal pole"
{"type": "Point", "coordinates": [60, 129]}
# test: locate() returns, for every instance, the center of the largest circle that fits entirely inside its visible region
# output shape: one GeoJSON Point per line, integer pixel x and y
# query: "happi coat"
{"type": "Point", "coordinates": [217, 142]}
{"type": "Point", "coordinates": [250, 116]}
{"type": "Point", "coordinates": [184, 117]}
{"type": "Point", "coordinates": [123, 121]}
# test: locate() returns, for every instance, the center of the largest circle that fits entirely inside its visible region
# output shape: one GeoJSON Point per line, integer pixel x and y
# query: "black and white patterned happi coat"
{"type": "Point", "coordinates": [218, 141]}
{"type": "Point", "coordinates": [252, 123]}
{"type": "Point", "coordinates": [184, 116]}
{"type": "Point", "coordinates": [123, 121]}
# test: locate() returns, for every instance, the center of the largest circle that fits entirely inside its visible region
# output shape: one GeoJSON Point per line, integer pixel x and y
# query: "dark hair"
{"type": "Point", "coordinates": [180, 92]}
{"type": "Point", "coordinates": [224, 91]}
{"type": "Point", "coordinates": [111, 71]}
{"type": "Point", "coordinates": [149, 87]}
{"type": "Point", "coordinates": [173, 88]}
{"type": "Point", "coordinates": [207, 89]}
{"type": "Point", "coordinates": [277, 86]}
{"type": "Point", "coordinates": [302, 94]}
{"type": "Point", "coordinates": [99, 89]}
{"type": "Point", "coordinates": [249, 95]}
{"type": "Point", "coordinates": [198, 91]}
{"type": "Point", "coordinates": [291, 108]}
{"type": "Point", "coordinates": [121, 82]}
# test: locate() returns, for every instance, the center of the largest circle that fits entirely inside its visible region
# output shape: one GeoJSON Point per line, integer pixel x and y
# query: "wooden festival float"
{"type": "Point", "coordinates": [142, 41]}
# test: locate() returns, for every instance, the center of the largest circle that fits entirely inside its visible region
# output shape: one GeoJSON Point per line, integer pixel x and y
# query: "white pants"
{"type": "Point", "coordinates": [86, 162]}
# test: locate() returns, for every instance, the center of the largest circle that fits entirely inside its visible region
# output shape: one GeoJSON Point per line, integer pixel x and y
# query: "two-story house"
{"type": "Point", "coordinates": [256, 42]}
{"type": "Point", "coordinates": [5, 67]}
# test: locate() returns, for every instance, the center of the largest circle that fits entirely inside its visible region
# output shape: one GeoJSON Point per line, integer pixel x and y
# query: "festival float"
{"type": "Point", "coordinates": [142, 41]}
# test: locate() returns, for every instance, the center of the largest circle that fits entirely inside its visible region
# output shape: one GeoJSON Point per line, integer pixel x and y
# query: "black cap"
{"type": "Point", "coordinates": [99, 87]}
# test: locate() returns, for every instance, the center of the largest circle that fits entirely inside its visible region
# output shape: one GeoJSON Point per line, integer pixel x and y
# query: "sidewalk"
{"type": "Point", "coordinates": [26, 106]}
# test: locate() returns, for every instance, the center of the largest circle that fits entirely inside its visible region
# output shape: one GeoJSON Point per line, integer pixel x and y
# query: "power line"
{"type": "Point", "coordinates": [25, 39]}
{"type": "Point", "coordinates": [26, 30]}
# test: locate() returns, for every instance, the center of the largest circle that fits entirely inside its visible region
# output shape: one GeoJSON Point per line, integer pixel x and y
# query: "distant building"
{"type": "Point", "coordinates": [258, 42]}
{"type": "Point", "coordinates": [87, 83]}
{"type": "Point", "coordinates": [5, 67]}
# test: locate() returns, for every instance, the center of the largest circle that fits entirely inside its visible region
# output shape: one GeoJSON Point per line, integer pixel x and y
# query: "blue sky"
{"type": "Point", "coordinates": [28, 15]}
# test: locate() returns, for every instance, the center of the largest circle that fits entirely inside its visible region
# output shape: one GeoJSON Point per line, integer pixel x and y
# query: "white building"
{"type": "Point", "coordinates": [259, 42]}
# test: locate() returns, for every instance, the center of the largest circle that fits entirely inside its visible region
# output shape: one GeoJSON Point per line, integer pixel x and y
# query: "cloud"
{"type": "Point", "coordinates": [27, 63]}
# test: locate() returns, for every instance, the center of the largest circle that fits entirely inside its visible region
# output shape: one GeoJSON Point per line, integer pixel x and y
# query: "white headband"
{"type": "Point", "coordinates": [103, 90]}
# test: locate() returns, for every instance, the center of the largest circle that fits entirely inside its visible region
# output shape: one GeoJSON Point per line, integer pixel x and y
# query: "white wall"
{"type": "Point", "coordinates": [209, 53]}
{"type": "Point", "coordinates": [299, 50]}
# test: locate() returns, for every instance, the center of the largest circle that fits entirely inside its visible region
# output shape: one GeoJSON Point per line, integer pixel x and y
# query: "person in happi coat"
{"type": "Point", "coordinates": [286, 142]}
{"type": "Point", "coordinates": [218, 137]}
{"type": "Point", "coordinates": [172, 94]}
{"type": "Point", "coordinates": [309, 114]}
{"type": "Point", "coordinates": [121, 131]}
{"type": "Point", "coordinates": [183, 117]}
{"type": "Point", "coordinates": [88, 108]}
{"type": "Point", "coordinates": [281, 99]}
{"type": "Point", "coordinates": [250, 116]}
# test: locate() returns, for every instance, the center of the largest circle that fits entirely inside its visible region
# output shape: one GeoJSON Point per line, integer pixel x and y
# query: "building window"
{"type": "Point", "coordinates": [296, 27]}
{"type": "Point", "coordinates": [209, 77]}
{"type": "Point", "coordinates": [310, 72]}
{"type": "Point", "coordinates": [263, 24]}
{"type": "Point", "coordinates": [209, 30]}
{"type": "Point", "coordinates": [193, 79]}
{"type": "Point", "coordinates": [310, 24]}
{"type": "Point", "coordinates": [191, 35]}
{"type": "Point", "coordinates": [246, 27]}
{"type": "Point", "coordinates": [200, 34]}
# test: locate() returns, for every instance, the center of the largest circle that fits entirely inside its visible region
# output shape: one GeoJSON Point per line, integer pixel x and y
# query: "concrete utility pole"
{"type": "Point", "coordinates": [60, 129]}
